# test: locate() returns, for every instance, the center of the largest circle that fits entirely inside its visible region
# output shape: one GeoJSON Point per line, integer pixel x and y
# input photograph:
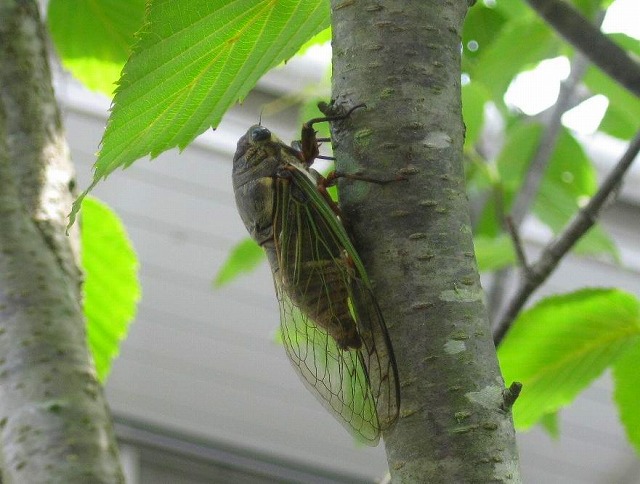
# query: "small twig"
{"type": "Point", "coordinates": [510, 395]}
{"type": "Point", "coordinates": [517, 243]}
{"type": "Point", "coordinates": [556, 249]}
{"type": "Point", "coordinates": [600, 50]}
{"type": "Point", "coordinates": [502, 277]}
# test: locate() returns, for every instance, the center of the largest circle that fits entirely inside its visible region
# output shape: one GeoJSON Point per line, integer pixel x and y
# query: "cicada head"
{"type": "Point", "coordinates": [259, 154]}
{"type": "Point", "coordinates": [255, 145]}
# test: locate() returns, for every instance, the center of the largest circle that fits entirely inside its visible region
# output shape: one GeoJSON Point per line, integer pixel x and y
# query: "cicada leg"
{"type": "Point", "coordinates": [308, 144]}
{"type": "Point", "coordinates": [308, 151]}
{"type": "Point", "coordinates": [332, 178]}
{"type": "Point", "coordinates": [324, 183]}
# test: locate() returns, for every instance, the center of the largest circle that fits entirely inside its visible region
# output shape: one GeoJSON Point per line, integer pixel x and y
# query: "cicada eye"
{"type": "Point", "coordinates": [260, 133]}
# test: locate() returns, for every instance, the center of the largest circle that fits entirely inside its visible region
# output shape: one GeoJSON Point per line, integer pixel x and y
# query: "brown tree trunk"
{"type": "Point", "coordinates": [402, 58]}
{"type": "Point", "coordinates": [54, 421]}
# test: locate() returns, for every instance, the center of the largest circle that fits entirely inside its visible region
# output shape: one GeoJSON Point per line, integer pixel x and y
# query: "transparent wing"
{"type": "Point", "coordinates": [332, 328]}
{"type": "Point", "coordinates": [337, 377]}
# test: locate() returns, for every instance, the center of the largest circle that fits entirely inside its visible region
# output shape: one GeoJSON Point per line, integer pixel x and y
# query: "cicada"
{"type": "Point", "coordinates": [331, 325]}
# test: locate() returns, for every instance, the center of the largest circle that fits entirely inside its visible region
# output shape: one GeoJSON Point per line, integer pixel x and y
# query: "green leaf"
{"type": "Point", "coordinates": [628, 43]}
{"type": "Point", "coordinates": [245, 257]}
{"type": "Point", "coordinates": [555, 207]}
{"type": "Point", "coordinates": [494, 253]}
{"type": "Point", "coordinates": [94, 37]}
{"type": "Point", "coordinates": [521, 43]}
{"type": "Point", "coordinates": [558, 347]}
{"type": "Point", "coordinates": [569, 179]}
{"type": "Point", "coordinates": [480, 175]}
{"type": "Point", "coordinates": [520, 145]}
{"type": "Point", "coordinates": [512, 10]}
{"type": "Point", "coordinates": [193, 60]}
{"type": "Point", "coordinates": [514, 159]}
{"type": "Point", "coordinates": [481, 26]}
{"type": "Point", "coordinates": [570, 167]}
{"type": "Point", "coordinates": [619, 122]}
{"type": "Point", "coordinates": [627, 392]}
{"type": "Point", "coordinates": [588, 8]}
{"type": "Point", "coordinates": [198, 57]}
{"type": "Point", "coordinates": [550, 424]}
{"type": "Point", "coordinates": [111, 287]}
{"type": "Point", "coordinates": [474, 98]}
{"type": "Point", "coordinates": [625, 106]}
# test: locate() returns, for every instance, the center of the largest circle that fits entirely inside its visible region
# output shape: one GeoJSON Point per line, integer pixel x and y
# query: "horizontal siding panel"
{"type": "Point", "coordinates": [303, 431]}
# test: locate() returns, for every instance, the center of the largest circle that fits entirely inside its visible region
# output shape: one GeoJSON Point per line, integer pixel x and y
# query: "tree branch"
{"type": "Point", "coordinates": [517, 244]}
{"type": "Point", "coordinates": [54, 422]}
{"type": "Point", "coordinates": [552, 254]}
{"type": "Point", "coordinates": [402, 59]}
{"type": "Point", "coordinates": [600, 50]}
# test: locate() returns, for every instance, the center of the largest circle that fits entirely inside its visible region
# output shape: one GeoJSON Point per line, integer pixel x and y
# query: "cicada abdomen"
{"type": "Point", "coordinates": [313, 266]}
{"type": "Point", "coordinates": [331, 326]}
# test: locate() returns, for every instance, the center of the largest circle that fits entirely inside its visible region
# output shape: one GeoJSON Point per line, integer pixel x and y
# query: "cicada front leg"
{"type": "Point", "coordinates": [308, 146]}
{"type": "Point", "coordinates": [308, 151]}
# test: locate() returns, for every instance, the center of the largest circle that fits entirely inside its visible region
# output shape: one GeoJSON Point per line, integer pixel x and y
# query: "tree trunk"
{"type": "Point", "coordinates": [402, 58]}
{"type": "Point", "coordinates": [54, 421]}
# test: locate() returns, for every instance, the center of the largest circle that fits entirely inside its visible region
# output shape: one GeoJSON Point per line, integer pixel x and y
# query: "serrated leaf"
{"type": "Point", "coordinates": [193, 60]}
{"type": "Point", "coordinates": [558, 347]}
{"type": "Point", "coordinates": [94, 38]}
{"type": "Point", "coordinates": [245, 257]}
{"type": "Point", "coordinates": [111, 287]}
{"type": "Point", "coordinates": [627, 392]}
{"type": "Point", "coordinates": [494, 253]}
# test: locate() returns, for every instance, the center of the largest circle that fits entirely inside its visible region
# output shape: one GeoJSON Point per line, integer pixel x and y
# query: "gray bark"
{"type": "Point", "coordinates": [402, 58]}
{"type": "Point", "coordinates": [54, 421]}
